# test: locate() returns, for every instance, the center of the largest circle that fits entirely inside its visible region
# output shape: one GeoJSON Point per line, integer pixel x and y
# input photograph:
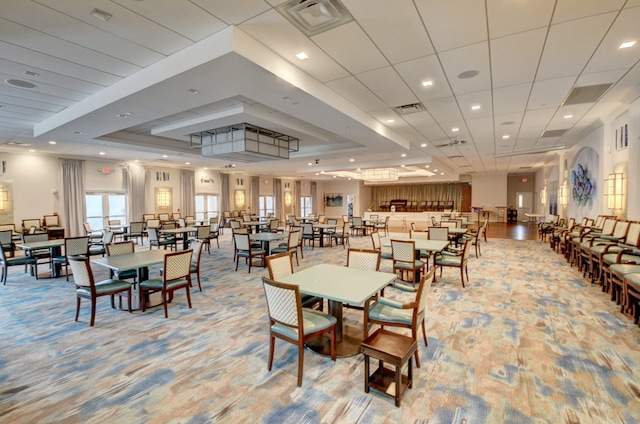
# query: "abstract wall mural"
{"type": "Point", "coordinates": [582, 186]}
{"type": "Point", "coordinates": [583, 176]}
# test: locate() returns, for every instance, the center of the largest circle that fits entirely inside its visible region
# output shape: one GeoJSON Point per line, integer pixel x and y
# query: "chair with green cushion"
{"type": "Point", "coordinates": [176, 276]}
{"type": "Point", "coordinates": [5, 263]}
{"type": "Point", "coordinates": [100, 248]}
{"type": "Point", "coordinates": [310, 234]}
{"type": "Point", "coordinates": [7, 243]}
{"type": "Point", "coordinates": [156, 240]}
{"type": "Point", "coordinates": [405, 260]}
{"type": "Point", "coordinates": [94, 235]}
{"type": "Point", "coordinates": [214, 232]}
{"type": "Point", "coordinates": [203, 235]}
{"type": "Point", "coordinates": [122, 248]}
{"type": "Point", "coordinates": [136, 231]}
{"type": "Point", "coordinates": [280, 265]}
{"type": "Point", "coordinates": [87, 288]}
{"type": "Point", "coordinates": [456, 260]}
{"type": "Point", "coordinates": [362, 259]}
{"type": "Point", "coordinates": [385, 311]}
{"type": "Point", "coordinates": [291, 246]}
{"type": "Point", "coordinates": [377, 245]}
{"type": "Point", "coordinates": [341, 237]}
{"type": "Point", "coordinates": [631, 294]}
{"type": "Point", "coordinates": [44, 254]}
{"type": "Point", "coordinates": [290, 322]}
{"type": "Point", "coordinates": [244, 249]}
{"type": "Point", "coordinates": [73, 246]}
{"type": "Point", "coordinates": [382, 226]}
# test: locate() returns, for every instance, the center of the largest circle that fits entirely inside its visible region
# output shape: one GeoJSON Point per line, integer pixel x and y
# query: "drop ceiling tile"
{"type": "Point", "coordinates": [232, 13]}
{"type": "Point", "coordinates": [474, 57]}
{"type": "Point", "coordinates": [511, 99]}
{"type": "Point", "coordinates": [508, 17]}
{"type": "Point", "coordinates": [450, 29]}
{"type": "Point", "coordinates": [569, 10]}
{"type": "Point", "coordinates": [444, 110]}
{"type": "Point", "coordinates": [550, 92]}
{"type": "Point", "coordinates": [427, 68]}
{"type": "Point", "coordinates": [387, 84]}
{"type": "Point", "coordinates": [514, 59]}
{"type": "Point", "coordinates": [357, 93]}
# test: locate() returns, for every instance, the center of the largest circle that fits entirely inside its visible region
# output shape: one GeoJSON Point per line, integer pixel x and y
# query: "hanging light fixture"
{"type": "Point", "coordinates": [380, 174]}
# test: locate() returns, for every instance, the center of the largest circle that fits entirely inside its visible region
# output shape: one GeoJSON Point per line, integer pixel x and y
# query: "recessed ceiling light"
{"type": "Point", "coordinates": [455, 129]}
{"type": "Point", "coordinates": [391, 120]}
{"type": "Point", "coordinates": [404, 155]}
{"type": "Point", "coordinates": [317, 173]}
{"type": "Point", "coordinates": [335, 176]}
{"type": "Point", "coordinates": [475, 107]}
{"type": "Point", "coordinates": [165, 156]}
{"type": "Point", "coordinates": [435, 170]}
{"type": "Point", "coordinates": [52, 142]}
{"type": "Point", "coordinates": [31, 150]}
{"type": "Point", "coordinates": [402, 166]}
{"type": "Point", "coordinates": [423, 145]}
{"type": "Point", "coordinates": [187, 163]}
{"type": "Point", "coordinates": [18, 83]}
{"type": "Point", "coordinates": [505, 137]}
{"type": "Point", "coordinates": [426, 166]}
{"type": "Point", "coordinates": [102, 153]}
{"type": "Point", "coordinates": [205, 168]}
{"type": "Point", "coordinates": [442, 173]}
{"type": "Point", "coordinates": [427, 83]}
{"type": "Point", "coordinates": [309, 163]}
{"type": "Point", "coordinates": [136, 160]}
{"type": "Point", "coordinates": [352, 160]}
{"type": "Point", "coordinates": [627, 44]}
{"type": "Point", "coordinates": [358, 169]}
{"type": "Point", "coordinates": [302, 56]}
{"type": "Point", "coordinates": [568, 116]}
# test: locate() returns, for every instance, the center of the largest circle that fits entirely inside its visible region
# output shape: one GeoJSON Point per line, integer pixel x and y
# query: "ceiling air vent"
{"type": "Point", "coordinates": [20, 83]}
{"type": "Point", "coordinates": [586, 94]}
{"type": "Point", "coordinates": [410, 108]}
{"type": "Point", "coordinates": [553, 133]}
{"type": "Point", "coordinates": [315, 16]}
{"type": "Point", "coordinates": [17, 144]}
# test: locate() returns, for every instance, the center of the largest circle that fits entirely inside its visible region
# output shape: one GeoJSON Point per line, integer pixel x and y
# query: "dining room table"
{"type": "Point", "coordinates": [339, 285]}
{"type": "Point", "coordinates": [140, 261]}
{"type": "Point", "coordinates": [55, 249]}
{"type": "Point", "coordinates": [266, 238]}
{"type": "Point", "coordinates": [323, 230]}
{"type": "Point", "coordinates": [254, 226]}
{"type": "Point", "coordinates": [432, 246]}
{"type": "Point", "coordinates": [185, 234]}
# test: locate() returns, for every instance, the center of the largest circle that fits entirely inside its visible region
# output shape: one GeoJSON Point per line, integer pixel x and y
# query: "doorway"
{"type": "Point", "coordinates": [465, 202]}
{"type": "Point", "coordinates": [524, 204]}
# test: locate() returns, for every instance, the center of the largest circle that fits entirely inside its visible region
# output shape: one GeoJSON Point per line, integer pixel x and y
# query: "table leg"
{"type": "Point", "coordinates": [321, 237]}
{"type": "Point", "coordinates": [348, 338]}
{"type": "Point", "coordinates": [56, 269]}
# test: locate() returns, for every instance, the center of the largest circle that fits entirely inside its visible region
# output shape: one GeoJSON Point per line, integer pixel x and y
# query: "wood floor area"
{"type": "Point", "coordinates": [505, 230]}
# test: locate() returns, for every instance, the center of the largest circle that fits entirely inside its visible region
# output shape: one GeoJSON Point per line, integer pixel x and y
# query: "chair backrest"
{"type": "Point", "coordinates": [169, 226]}
{"type": "Point", "coordinates": [214, 228]}
{"type": "Point", "coordinates": [197, 252]}
{"type": "Point", "coordinates": [273, 224]}
{"type": "Point", "coordinates": [321, 219]}
{"type": "Point", "coordinates": [457, 221]}
{"type": "Point", "coordinates": [82, 274]}
{"type": "Point", "coordinates": [466, 249]}
{"type": "Point", "coordinates": [375, 239]}
{"type": "Point", "coordinates": [345, 218]}
{"type": "Point", "coordinates": [448, 224]}
{"type": "Point", "coordinates": [356, 221]}
{"type": "Point", "coordinates": [621, 229]}
{"type": "Point", "coordinates": [182, 222]}
{"type": "Point", "coordinates": [235, 223]}
{"type": "Point", "coordinates": [107, 236]}
{"type": "Point", "coordinates": [175, 216]}
{"type": "Point", "coordinates": [163, 217]}
{"type": "Point", "coordinates": [6, 237]}
{"type": "Point", "coordinates": [284, 304]}
{"type": "Point", "coordinates": [633, 234]}
{"type": "Point", "coordinates": [418, 235]}
{"type": "Point", "coordinates": [242, 241]}
{"type": "Point", "coordinates": [433, 221]}
{"type": "Point", "coordinates": [76, 246]}
{"type": "Point", "coordinates": [28, 223]}
{"type": "Point", "coordinates": [246, 218]}
{"type": "Point", "coordinates": [413, 226]}
{"type": "Point", "coordinates": [120, 248]}
{"type": "Point", "coordinates": [51, 221]}
{"type": "Point", "coordinates": [294, 239]}
{"type": "Point", "coordinates": [32, 230]}
{"type": "Point", "coordinates": [136, 227]}
{"type": "Point", "coordinates": [438, 233]}
{"type": "Point", "coordinates": [148, 216]}
{"type": "Point", "coordinates": [153, 223]}
{"type": "Point", "coordinates": [332, 221]}
{"type": "Point", "coordinates": [114, 222]}
{"type": "Point", "coordinates": [363, 259]}
{"type": "Point", "coordinates": [403, 250]}
{"type": "Point", "coordinates": [203, 231]}
{"type": "Point", "coordinates": [280, 265]}
{"type": "Point", "coordinates": [307, 228]}
{"type": "Point", "coordinates": [572, 222]}
{"type": "Point", "coordinates": [423, 289]}
{"type": "Point", "coordinates": [30, 238]}
{"type": "Point", "coordinates": [177, 265]}
{"type": "Point", "coordinates": [152, 233]}
{"type": "Point", "coordinates": [608, 225]}
{"type": "Point", "coordinates": [87, 228]}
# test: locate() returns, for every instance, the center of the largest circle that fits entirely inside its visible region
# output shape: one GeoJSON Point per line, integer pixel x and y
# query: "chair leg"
{"type": "Point", "coordinates": [77, 307]}
{"type": "Point", "coordinates": [93, 311]}
{"type": "Point", "coordinates": [129, 299]}
{"type": "Point", "coordinates": [300, 361]}
{"type": "Point", "coordinates": [188, 296]}
{"type": "Point", "coordinates": [165, 304]}
{"type": "Point", "coordinates": [272, 342]}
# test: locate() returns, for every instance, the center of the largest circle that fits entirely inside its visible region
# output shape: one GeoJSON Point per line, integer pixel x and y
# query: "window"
{"type": "Point", "coordinates": [305, 205]}
{"type": "Point", "coordinates": [206, 207]}
{"type": "Point", "coordinates": [105, 206]}
{"type": "Point", "coordinates": [266, 205]}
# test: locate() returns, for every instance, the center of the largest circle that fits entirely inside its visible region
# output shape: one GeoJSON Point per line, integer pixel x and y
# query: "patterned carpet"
{"type": "Point", "coordinates": [528, 341]}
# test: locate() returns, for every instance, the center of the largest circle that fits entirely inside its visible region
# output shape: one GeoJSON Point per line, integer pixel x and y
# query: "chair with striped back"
{"type": "Point", "coordinates": [281, 265]}
{"type": "Point", "coordinates": [122, 248]}
{"type": "Point", "coordinates": [176, 275]}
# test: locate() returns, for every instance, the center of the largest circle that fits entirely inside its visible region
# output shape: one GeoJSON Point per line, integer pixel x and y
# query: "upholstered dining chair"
{"type": "Point", "coordinates": [203, 235]}
{"type": "Point", "coordinates": [341, 237]}
{"type": "Point", "coordinates": [244, 249]}
{"type": "Point", "coordinates": [122, 248]}
{"type": "Point", "coordinates": [385, 311]}
{"type": "Point", "coordinates": [87, 288]}
{"type": "Point", "coordinates": [6, 242]}
{"type": "Point", "coordinates": [73, 246]}
{"type": "Point", "coordinates": [456, 260]}
{"type": "Point", "coordinates": [290, 322]}
{"type": "Point", "coordinates": [5, 263]}
{"type": "Point", "coordinates": [382, 226]}
{"type": "Point", "coordinates": [136, 231]}
{"type": "Point", "coordinates": [309, 234]}
{"type": "Point", "coordinates": [156, 240]}
{"type": "Point", "coordinates": [281, 265]}
{"type": "Point", "coordinates": [176, 275]}
{"type": "Point", "coordinates": [290, 246]}
{"type": "Point", "coordinates": [197, 246]}
{"type": "Point", "coordinates": [94, 235]}
{"type": "Point", "coordinates": [377, 245]}
{"type": "Point", "coordinates": [405, 260]}
{"type": "Point", "coordinates": [363, 259]}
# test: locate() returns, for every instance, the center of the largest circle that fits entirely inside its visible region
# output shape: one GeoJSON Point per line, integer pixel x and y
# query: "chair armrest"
{"type": "Point", "coordinates": [391, 302]}
{"type": "Point", "coordinates": [404, 287]}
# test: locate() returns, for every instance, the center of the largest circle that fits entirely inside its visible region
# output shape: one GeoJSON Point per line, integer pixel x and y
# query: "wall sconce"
{"type": "Point", "coordinates": [239, 199]}
{"type": "Point", "coordinates": [614, 191]}
{"type": "Point", "coordinates": [563, 196]}
{"type": "Point", "coordinates": [163, 198]}
{"type": "Point", "coordinates": [287, 198]}
{"type": "Point", "coordinates": [4, 199]}
{"type": "Point", "coordinates": [543, 195]}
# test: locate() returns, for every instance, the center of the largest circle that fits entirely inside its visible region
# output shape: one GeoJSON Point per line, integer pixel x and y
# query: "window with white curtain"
{"type": "Point", "coordinates": [305, 205]}
{"type": "Point", "coordinates": [207, 207]}
{"type": "Point", "coordinates": [267, 205]}
{"type": "Point", "coordinates": [105, 206]}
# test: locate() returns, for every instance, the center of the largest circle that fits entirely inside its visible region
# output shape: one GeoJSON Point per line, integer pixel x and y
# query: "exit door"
{"type": "Point", "coordinates": [465, 203]}
{"type": "Point", "coordinates": [524, 203]}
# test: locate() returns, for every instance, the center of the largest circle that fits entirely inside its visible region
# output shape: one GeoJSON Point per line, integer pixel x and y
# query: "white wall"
{"type": "Point", "coordinates": [345, 188]}
{"type": "Point", "coordinates": [489, 191]}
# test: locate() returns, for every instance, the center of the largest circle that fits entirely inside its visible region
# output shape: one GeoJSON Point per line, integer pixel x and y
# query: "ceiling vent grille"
{"type": "Point", "coordinates": [586, 94]}
{"type": "Point", "coordinates": [409, 108]}
{"type": "Point", "coordinates": [315, 16]}
{"type": "Point", "coordinates": [553, 133]}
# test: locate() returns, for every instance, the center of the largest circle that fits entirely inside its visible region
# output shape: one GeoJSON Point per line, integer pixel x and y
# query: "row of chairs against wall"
{"type": "Point", "coordinates": [607, 252]}
{"type": "Point", "coordinates": [420, 206]}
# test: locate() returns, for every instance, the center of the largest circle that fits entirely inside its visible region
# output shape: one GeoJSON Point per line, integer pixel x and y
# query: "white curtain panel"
{"type": "Point", "coordinates": [188, 187]}
{"type": "Point", "coordinates": [135, 177]}
{"type": "Point", "coordinates": [314, 199]}
{"type": "Point", "coordinates": [224, 192]}
{"type": "Point", "coordinates": [72, 198]}
{"type": "Point", "coordinates": [277, 192]}
{"type": "Point", "coordinates": [255, 195]}
{"type": "Point", "coordinates": [296, 198]}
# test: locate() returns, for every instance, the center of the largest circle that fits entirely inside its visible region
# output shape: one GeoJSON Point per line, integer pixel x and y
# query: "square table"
{"type": "Point", "coordinates": [54, 247]}
{"type": "Point", "coordinates": [322, 228]}
{"type": "Point", "coordinates": [266, 238]}
{"type": "Point", "coordinates": [432, 246]}
{"type": "Point", "coordinates": [140, 261]}
{"type": "Point", "coordinates": [254, 225]}
{"type": "Point", "coordinates": [339, 284]}
{"type": "Point", "coordinates": [184, 231]}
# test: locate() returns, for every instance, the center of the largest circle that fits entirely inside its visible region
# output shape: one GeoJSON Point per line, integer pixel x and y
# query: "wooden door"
{"type": "Point", "coordinates": [465, 205]}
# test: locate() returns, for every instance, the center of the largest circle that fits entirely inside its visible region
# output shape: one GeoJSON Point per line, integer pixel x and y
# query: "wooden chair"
{"type": "Point", "coordinates": [405, 260]}
{"type": "Point", "coordinates": [281, 265]}
{"type": "Point", "coordinates": [390, 312]}
{"type": "Point", "coordinates": [5, 263]}
{"type": "Point", "coordinates": [122, 248]}
{"type": "Point", "coordinates": [176, 275]}
{"type": "Point", "coordinates": [245, 250]}
{"type": "Point", "coordinates": [155, 240]}
{"type": "Point", "coordinates": [362, 259]}
{"type": "Point", "coordinates": [87, 288]}
{"type": "Point", "coordinates": [291, 246]}
{"type": "Point", "coordinates": [73, 246]}
{"type": "Point", "coordinates": [290, 322]}
{"type": "Point", "coordinates": [195, 260]}
{"type": "Point", "coordinates": [456, 260]}
{"type": "Point", "coordinates": [341, 237]}
{"type": "Point", "coordinates": [377, 245]}
{"type": "Point", "coordinates": [136, 231]}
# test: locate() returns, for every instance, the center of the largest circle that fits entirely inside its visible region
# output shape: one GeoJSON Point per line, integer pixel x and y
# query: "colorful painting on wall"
{"type": "Point", "coordinates": [333, 200]}
{"type": "Point", "coordinates": [582, 185]}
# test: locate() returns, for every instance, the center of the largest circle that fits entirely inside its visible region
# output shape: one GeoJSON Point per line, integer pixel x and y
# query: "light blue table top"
{"type": "Point", "coordinates": [339, 283]}
{"type": "Point", "coordinates": [135, 260]}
